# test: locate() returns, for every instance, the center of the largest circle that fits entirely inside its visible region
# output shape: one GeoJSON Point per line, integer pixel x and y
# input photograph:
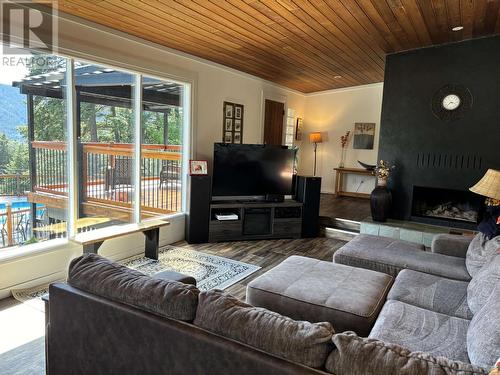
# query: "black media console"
{"type": "Point", "coordinates": [256, 220]}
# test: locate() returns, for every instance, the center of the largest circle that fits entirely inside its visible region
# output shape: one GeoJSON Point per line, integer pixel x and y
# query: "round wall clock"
{"type": "Point", "coordinates": [451, 102]}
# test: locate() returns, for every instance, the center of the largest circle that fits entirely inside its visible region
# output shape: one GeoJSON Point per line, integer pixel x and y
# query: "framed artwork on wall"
{"type": "Point", "coordinates": [232, 126]}
{"type": "Point", "coordinates": [364, 136]}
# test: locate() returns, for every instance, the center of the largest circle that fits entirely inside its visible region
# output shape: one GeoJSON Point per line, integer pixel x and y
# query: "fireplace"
{"type": "Point", "coordinates": [446, 207]}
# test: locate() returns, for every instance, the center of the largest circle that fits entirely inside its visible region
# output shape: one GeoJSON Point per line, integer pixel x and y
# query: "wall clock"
{"type": "Point", "coordinates": [451, 102]}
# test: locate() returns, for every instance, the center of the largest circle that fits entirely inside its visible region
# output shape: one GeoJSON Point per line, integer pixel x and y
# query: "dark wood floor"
{"type": "Point", "coordinates": [349, 208]}
{"type": "Point", "coordinates": [267, 254]}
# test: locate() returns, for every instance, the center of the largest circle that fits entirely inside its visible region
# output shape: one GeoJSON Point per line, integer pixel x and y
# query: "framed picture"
{"type": "Point", "coordinates": [364, 135]}
{"type": "Point", "coordinates": [298, 129]}
{"type": "Point", "coordinates": [228, 109]}
{"type": "Point", "coordinates": [237, 125]}
{"type": "Point", "coordinates": [237, 137]}
{"type": "Point", "coordinates": [198, 167]}
{"type": "Point", "coordinates": [238, 111]}
{"type": "Point", "coordinates": [229, 125]}
{"type": "Point", "coordinates": [232, 123]}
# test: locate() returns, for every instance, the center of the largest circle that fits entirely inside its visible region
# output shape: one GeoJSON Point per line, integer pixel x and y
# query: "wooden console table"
{"type": "Point", "coordinates": [339, 180]}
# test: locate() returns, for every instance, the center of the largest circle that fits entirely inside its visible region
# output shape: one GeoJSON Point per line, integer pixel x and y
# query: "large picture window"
{"type": "Point", "coordinates": [128, 167]}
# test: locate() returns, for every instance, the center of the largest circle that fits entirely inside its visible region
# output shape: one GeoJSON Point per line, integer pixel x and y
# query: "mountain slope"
{"type": "Point", "coordinates": [12, 111]}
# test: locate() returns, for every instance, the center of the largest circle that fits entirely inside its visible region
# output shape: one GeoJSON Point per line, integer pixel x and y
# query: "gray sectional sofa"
{"type": "Point", "coordinates": [111, 320]}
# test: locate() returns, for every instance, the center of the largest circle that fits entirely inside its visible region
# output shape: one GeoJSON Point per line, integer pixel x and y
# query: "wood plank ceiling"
{"type": "Point", "coordinates": [306, 45]}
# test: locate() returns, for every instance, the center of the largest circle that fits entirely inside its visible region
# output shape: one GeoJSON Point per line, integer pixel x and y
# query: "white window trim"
{"type": "Point", "coordinates": [72, 163]}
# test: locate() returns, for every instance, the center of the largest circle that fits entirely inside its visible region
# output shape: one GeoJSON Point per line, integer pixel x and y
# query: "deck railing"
{"type": "Point", "coordinates": [107, 173]}
{"type": "Point", "coordinates": [13, 184]}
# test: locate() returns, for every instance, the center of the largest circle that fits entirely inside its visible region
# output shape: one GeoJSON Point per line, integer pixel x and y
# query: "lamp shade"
{"type": "Point", "coordinates": [489, 185]}
{"type": "Point", "coordinates": [315, 137]}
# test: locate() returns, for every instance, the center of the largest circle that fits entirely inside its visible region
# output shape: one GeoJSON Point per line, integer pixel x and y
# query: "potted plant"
{"type": "Point", "coordinates": [381, 197]}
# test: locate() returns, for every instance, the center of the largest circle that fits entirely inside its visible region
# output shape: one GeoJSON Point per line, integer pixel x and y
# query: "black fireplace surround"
{"type": "Point", "coordinates": [438, 161]}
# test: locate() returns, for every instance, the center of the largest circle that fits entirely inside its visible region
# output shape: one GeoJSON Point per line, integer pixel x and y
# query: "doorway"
{"type": "Point", "coordinates": [273, 122]}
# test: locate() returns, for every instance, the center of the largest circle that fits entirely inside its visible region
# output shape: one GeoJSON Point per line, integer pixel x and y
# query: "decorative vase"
{"type": "Point", "coordinates": [342, 158]}
{"type": "Point", "coordinates": [380, 201]}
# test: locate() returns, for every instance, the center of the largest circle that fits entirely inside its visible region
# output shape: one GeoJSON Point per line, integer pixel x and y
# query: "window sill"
{"type": "Point", "coordinates": [17, 252]}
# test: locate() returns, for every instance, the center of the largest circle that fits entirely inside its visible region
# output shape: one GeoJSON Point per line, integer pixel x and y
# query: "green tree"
{"type": "Point", "coordinates": [4, 152]}
{"type": "Point", "coordinates": [19, 160]}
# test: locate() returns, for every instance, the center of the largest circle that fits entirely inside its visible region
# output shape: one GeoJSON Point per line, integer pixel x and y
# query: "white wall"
{"type": "Point", "coordinates": [333, 113]}
{"type": "Point", "coordinates": [212, 84]}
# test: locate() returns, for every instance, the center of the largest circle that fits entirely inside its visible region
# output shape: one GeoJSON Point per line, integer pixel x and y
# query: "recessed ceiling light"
{"type": "Point", "coordinates": [457, 28]}
{"type": "Point", "coordinates": [337, 77]}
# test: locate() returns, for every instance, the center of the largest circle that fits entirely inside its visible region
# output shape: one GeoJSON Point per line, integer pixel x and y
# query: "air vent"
{"type": "Point", "coordinates": [448, 161]}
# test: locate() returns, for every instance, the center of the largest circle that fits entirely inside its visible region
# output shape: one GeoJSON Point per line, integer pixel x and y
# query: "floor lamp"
{"type": "Point", "coordinates": [315, 138]}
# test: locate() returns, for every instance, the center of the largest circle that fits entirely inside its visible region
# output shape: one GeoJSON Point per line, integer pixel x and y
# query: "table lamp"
{"type": "Point", "coordinates": [489, 186]}
{"type": "Point", "coordinates": [315, 138]}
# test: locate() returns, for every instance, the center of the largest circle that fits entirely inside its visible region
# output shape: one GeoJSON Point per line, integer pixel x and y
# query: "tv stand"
{"type": "Point", "coordinates": [256, 220]}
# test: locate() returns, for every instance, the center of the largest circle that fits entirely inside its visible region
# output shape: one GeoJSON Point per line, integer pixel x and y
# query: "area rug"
{"type": "Point", "coordinates": [210, 271]}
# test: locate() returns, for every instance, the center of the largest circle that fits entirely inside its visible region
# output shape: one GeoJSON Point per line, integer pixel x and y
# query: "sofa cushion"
{"type": "Point", "coordinates": [431, 292]}
{"type": "Point", "coordinates": [100, 276]}
{"type": "Point", "coordinates": [302, 342]}
{"type": "Point", "coordinates": [364, 356]}
{"type": "Point", "coordinates": [423, 330]}
{"type": "Point", "coordinates": [483, 336]}
{"type": "Point", "coordinates": [391, 256]}
{"type": "Point", "coordinates": [479, 252]}
{"type": "Point", "coordinates": [482, 285]}
{"type": "Point", "coordinates": [314, 290]}
{"type": "Point", "coordinates": [450, 244]}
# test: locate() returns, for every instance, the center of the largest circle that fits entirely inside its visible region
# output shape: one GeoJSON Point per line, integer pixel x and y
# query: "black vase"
{"type": "Point", "coordinates": [380, 203]}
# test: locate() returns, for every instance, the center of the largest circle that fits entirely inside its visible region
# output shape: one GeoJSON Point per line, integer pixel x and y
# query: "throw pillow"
{"type": "Point", "coordinates": [483, 334]}
{"type": "Point", "coordinates": [113, 281]}
{"type": "Point", "coordinates": [362, 356]}
{"type": "Point", "coordinates": [302, 342]}
{"type": "Point", "coordinates": [479, 252]}
{"type": "Point", "coordinates": [482, 285]}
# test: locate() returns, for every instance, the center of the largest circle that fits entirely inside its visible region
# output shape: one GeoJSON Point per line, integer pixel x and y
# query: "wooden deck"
{"type": "Point", "coordinates": [155, 200]}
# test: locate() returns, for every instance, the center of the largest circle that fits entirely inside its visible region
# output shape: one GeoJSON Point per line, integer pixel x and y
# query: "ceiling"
{"type": "Point", "coordinates": [306, 45]}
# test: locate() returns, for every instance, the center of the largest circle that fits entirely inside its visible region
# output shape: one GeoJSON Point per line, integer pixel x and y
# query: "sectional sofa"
{"type": "Point", "coordinates": [434, 319]}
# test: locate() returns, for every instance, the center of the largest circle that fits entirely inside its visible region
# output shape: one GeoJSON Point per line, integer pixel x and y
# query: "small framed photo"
{"type": "Point", "coordinates": [198, 167]}
{"type": "Point", "coordinates": [237, 125]}
{"type": "Point", "coordinates": [228, 137]}
{"type": "Point", "coordinates": [237, 112]}
{"type": "Point", "coordinates": [237, 137]}
{"type": "Point", "coordinates": [228, 108]}
{"type": "Point", "coordinates": [229, 124]}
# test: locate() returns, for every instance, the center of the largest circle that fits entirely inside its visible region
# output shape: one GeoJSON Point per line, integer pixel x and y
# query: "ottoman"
{"type": "Point", "coordinates": [317, 291]}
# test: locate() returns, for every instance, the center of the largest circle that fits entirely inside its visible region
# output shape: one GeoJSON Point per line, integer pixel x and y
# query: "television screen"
{"type": "Point", "coordinates": [252, 170]}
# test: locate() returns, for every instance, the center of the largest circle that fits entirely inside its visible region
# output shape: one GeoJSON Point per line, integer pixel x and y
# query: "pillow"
{"type": "Point", "coordinates": [483, 334]}
{"type": "Point", "coordinates": [113, 281]}
{"type": "Point", "coordinates": [482, 285]}
{"type": "Point", "coordinates": [489, 225]}
{"type": "Point", "coordinates": [363, 356]}
{"type": "Point", "coordinates": [302, 342]}
{"type": "Point", "coordinates": [479, 251]}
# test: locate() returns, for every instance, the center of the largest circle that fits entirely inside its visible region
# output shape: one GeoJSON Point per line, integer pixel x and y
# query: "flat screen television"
{"type": "Point", "coordinates": [252, 171]}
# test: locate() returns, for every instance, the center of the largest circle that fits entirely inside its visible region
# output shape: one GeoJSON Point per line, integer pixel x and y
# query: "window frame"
{"type": "Point", "coordinates": [187, 101]}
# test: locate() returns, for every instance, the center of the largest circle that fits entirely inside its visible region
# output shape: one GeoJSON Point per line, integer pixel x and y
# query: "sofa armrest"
{"type": "Point", "coordinates": [450, 244]}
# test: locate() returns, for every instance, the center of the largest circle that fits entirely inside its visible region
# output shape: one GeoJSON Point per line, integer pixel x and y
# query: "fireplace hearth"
{"type": "Point", "coordinates": [446, 206]}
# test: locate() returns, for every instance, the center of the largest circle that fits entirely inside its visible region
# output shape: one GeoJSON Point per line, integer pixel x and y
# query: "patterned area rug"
{"type": "Point", "coordinates": [210, 271]}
